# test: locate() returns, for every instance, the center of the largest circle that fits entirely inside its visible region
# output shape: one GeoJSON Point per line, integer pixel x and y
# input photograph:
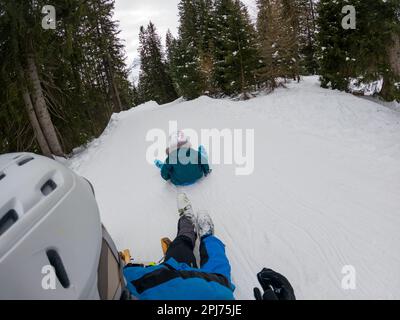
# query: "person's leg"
{"type": "Point", "coordinates": [181, 249]}
{"type": "Point", "coordinates": [213, 257]}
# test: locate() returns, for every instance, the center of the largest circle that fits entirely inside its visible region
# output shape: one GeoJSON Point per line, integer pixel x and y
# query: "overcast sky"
{"type": "Point", "coordinates": [133, 13]}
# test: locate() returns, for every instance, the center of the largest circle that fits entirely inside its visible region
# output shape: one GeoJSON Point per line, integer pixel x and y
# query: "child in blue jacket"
{"type": "Point", "coordinates": [184, 165]}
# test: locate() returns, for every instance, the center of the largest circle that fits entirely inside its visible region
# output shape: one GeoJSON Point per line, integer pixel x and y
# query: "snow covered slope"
{"type": "Point", "coordinates": [325, 192]}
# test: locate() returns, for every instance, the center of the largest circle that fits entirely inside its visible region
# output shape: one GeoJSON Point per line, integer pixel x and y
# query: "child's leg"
{"type": "Point", "coordinates": [181, 249]}
{"type": "Point", "coordinates": [213, 257]}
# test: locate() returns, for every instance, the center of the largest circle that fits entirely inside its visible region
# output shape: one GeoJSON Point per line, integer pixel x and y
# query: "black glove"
{"type": "Point", "coordinates": [275, 286]}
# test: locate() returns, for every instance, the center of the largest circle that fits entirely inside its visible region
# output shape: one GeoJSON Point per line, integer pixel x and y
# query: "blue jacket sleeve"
{"type": "Point", "coordinates": [166, 171]}
{"type": "Point", "coordinates": [204, 163]}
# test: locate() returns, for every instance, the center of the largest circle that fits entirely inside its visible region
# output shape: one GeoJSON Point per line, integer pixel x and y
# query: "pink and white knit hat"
{"type": "Point", "coordinates": [176, 140]}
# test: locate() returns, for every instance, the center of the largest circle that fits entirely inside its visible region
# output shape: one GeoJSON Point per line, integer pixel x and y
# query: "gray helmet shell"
{"type": "Point", "coordinates": [49, 226]}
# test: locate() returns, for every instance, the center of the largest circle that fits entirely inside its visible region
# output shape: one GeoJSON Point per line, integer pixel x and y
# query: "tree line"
{"type": "Point", "coordinates": [220, 51]}
{"type": "Point", "coordinates": [368, 53]}
{"type": "Point", "coordinates": [58, 88]}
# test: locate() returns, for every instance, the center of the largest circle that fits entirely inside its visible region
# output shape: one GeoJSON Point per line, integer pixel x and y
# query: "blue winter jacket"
{"type": "Point", "coordinates": [177, 281]}
{"type": "Point", "coordinates": [185, 166]}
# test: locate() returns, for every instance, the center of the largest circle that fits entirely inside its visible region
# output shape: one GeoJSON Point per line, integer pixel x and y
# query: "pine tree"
{"type": "Point", "coordinates": [206, 30]}
{"type": "Point", "coordinates": [205, 25]}
{"type": "Point", "coordinates": [170, 45]}
{"type": "Point", "coordinates": [62, 71]}
{"type": "Point", "coordinates": [154, 81]}
{"type": "Point", "coordinates": [235, 51]}
{"type": "Point", "coordinates": [290, 38]}
{"type": "Point", "coordinates": [307, 36]}
{"type": "Point", "coordinates": [363, 53]}
{"type": "Point", "coordinates": [286, 30]}
{"type": "Point", "coordinates": [268, 29]}
{"type": "Point", "coordinates": [185, 52]}
{"type": "Point", "coordinates": [19, 18]}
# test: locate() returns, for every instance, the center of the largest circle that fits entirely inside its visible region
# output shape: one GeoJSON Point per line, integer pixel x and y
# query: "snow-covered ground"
{"type": "Point", "coordinates": [325, 192]}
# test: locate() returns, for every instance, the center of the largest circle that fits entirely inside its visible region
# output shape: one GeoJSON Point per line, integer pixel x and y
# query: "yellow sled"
{"type": "Point", "coordinates": [127, 258]}
{"type": "Point", "coordinates": [165, 243]}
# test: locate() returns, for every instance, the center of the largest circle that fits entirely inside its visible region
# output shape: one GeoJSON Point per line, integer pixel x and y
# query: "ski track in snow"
{"type": "Point", "coordinates": [325, 191]}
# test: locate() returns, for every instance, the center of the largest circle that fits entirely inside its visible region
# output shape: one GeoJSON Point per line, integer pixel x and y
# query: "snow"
{"type": "Point", "coordinates": [325, 192]}
{"type": "Point", "coordinates": [394, 105]}
{"type": "Point", "coordinates": [367, 89]}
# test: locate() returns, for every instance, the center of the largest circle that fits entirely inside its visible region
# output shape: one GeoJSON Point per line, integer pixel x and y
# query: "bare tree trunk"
{"type": "Point", "coordinates": [110, 77]}
{"type": "Point", "coordinates": [394, 54]}
{"type": "Point", "coordinates": [107, 65]}
{"type": "Point", "coordinates": [40, 138]}
{"type": "Point", "coordinates": [242, 80]}
{"type": "Point", "coordinates": [312, 7]}
{"type": "Point", "coordinates": [113, 87]}
{"type": "Point", "coordinates": [42, 113]}
{"type": "Point", "coordinates": [388, 90]}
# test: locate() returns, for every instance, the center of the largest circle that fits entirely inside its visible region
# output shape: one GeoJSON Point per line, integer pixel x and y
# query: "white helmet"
{"type": "Point", "coordinates": [52, 244]}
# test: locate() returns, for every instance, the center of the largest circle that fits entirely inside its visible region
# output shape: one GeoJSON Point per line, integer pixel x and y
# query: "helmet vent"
{"type": "Point", "coordinates": [48, 187]}
{"type": "Point", "coordinates": [2, 175]}
{"type": "Point", "coordinates": [8, 220]}
{"type": "Point", "coordinates": [24, 161]}
{"type": "Point", "coordinates": [58, 265]}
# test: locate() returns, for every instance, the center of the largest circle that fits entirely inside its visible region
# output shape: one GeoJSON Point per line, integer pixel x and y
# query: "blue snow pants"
{"type": "Point", "coordinates": [178, 278]}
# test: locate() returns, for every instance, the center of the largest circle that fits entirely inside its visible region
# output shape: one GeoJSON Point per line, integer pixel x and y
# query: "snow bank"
{"type": "Point", "coordinates": [357, 86]}
{"type": "Point", "coordinates": [324, 194]}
